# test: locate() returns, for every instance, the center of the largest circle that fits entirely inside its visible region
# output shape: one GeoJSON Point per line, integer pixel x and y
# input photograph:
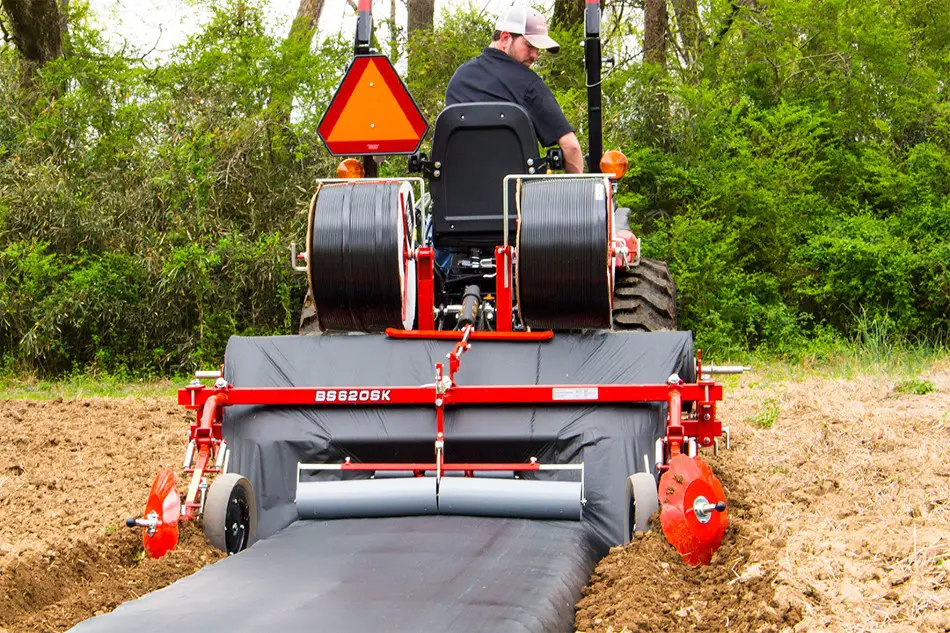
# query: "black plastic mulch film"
{"type": "Point", "coordinates": [432, 573]}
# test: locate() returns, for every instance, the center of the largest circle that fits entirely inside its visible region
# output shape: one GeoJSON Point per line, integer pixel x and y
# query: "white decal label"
{"type": "Point", "coordinates": [599, 191]}
{"type": "Point", "coordinates": [353, 395]}
{"type": "Point", "coordinates": [574, 393]}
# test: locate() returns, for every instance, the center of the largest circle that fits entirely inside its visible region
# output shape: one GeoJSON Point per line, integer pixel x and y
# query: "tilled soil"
{"type": "Point", "coordinates": [839, 515]}
{"type": "Point", "coordinates": [71, 472]}
{"type": "Point", "coordinates": [839, 519]}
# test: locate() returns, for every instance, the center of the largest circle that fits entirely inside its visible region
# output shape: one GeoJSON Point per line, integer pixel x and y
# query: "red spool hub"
{"type": "Point", "coordinates": [165, 502]}
{"type": "Point", "coordinates": [689, 494]}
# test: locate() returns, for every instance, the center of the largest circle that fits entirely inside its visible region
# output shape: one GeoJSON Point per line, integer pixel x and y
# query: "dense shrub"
{"type": "Point", "coordinates": [145, 212]}
{"type": "Point", "coordinates": [793, 167]}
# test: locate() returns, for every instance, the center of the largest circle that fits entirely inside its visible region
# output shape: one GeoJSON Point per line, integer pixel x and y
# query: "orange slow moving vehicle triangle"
{"type": "Point", "coordinates": [372, 112]}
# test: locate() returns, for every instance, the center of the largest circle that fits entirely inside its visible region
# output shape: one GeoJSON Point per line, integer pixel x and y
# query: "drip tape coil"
{"type": "Point", "coordinates": [356, 262]}
{"type": "Point", "coordinates": [563, 268]}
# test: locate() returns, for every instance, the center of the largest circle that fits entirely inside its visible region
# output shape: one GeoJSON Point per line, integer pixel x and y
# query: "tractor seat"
{"type": "Point", "coordinates": [476, 145]}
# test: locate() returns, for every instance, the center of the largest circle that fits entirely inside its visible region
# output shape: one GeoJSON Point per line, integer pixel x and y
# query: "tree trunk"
{"type": "Point", "coordinates": [36, 29]}
{"type": "Point", "coordinates": [568, 14]}
{"type": "Point", "coordinates": [691, 34]}
{"type": "Point", "coordinates": [421, 15]}
{"type": "Point", "coordinates": [64, 20]}
{"type": "Point", "coordinates": [654, 52]}
{"type": "Point", "coordinates": [301, 34]}
{"type": "Point", "coordinates": [308, 17]}
{"type": "Point", "coordinates": [654, 35]}
{"type": "Point", "coordinates": [393, 33]}
{"type": "Point", "coordinates": [421, 18]}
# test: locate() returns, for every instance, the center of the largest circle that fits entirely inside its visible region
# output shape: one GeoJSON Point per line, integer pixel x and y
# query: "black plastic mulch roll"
{"type": "Point", "coordinates": [562, 271]}
{"type": "Point", "coordinates": [355, 257]}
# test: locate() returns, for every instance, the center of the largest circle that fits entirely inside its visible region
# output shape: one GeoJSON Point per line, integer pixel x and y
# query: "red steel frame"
{"type": "Point", "coordinates": [425, 285]}
{"type": "Point", "coordinates": [503, 286]}
{"type": "Point", "coordinates": [206, 434]}
{"type": "Point", "coordinates": [458, 396]}
{"type": "Point", "coordinates": [209, 403]}
{"type": "Point", "coordinates": [504, 322]}
{"type": "Point", "coordinates": [504, 295]}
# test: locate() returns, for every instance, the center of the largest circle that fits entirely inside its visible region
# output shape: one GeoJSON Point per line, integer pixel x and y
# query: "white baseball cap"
{"type": "Point", "coordinates": [523, 20]}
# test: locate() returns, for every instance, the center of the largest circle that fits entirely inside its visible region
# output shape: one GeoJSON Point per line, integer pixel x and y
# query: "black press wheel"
{"type": "Point", "coordinates": [230, 514]}
{"type": "Point", "coordinates": [642, 502]}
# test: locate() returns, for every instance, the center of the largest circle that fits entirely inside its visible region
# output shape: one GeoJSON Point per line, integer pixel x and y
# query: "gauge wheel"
{"type": "Point", "coordinates": [642, 502]}
{"type": "Point", "coordinates": [230, 514]}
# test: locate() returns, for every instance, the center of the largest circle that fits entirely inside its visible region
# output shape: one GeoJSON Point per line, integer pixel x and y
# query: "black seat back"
{"type": "Point", "coordinates": [476, 145]}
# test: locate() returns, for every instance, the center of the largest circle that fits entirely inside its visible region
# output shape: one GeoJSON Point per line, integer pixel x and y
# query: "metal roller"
{"type": "Point", "coordinates": [411, 496]}
{"type": "Point", "coordinates": [564, 271]}
{"type": "Point", "coordinates": [361, 240]}
{"type": "Point", "coordinates": [519, 498]}
{"type": "Point", "coordinates": [408, 496]}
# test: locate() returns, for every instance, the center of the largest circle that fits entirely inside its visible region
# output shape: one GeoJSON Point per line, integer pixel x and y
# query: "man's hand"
{"type": "Point", "coordinates": [573, 157]}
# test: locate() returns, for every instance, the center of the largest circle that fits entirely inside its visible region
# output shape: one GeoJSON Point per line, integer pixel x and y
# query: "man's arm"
{"type": "Point", "coordinates": [573, 156]}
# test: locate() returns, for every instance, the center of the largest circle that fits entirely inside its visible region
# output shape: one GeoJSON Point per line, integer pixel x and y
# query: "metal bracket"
{"type": "Point", "coordinates": [295, 257]}
{"type": "Point", "coordinates": [150, 523]}
{"type": "Point", "coordinates": [553, 159]}
{"type": "Point", "coordinates": [717, 445]}
{"type": "Point", "coordinates": [419, 163]}
{"type": "Point", "coordinates": [713, 369]}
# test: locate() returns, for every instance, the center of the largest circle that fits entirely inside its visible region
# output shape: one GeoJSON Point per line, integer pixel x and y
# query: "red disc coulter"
{"type": "Point", "coordinates": [162, 511]}
{"type": "Point", "coordinates": [692, 509]}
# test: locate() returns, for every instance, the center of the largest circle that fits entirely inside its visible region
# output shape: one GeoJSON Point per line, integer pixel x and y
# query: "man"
{"type": "Point", "coordinates": [503, 73]}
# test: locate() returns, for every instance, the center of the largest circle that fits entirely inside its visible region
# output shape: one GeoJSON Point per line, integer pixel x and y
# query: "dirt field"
{"type": "Point", "coordinates": [840, 519]}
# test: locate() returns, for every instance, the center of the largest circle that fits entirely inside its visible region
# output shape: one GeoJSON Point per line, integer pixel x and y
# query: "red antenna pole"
{"type": "Point", "coordinates": [364, 27]}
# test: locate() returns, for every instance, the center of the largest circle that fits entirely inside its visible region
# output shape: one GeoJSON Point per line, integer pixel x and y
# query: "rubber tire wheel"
{"type": "Point", "coordinates": [229, 506]}
{"type": "Point", "coordinates": [644, 298]}
{"type": "Point", "coordinates": [642, 502]}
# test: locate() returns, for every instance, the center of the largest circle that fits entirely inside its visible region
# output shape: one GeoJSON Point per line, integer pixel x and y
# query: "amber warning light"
{"type": "Point", "coordinates": [350, 168]}
{"type": "Point", "coordinates": [614, 163]}
{"type": "Point", "coordinates": [372, 112]}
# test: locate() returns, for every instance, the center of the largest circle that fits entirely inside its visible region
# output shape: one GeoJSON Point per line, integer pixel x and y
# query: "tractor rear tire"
{"type": "Point", "coordinates": [644, 298]}
{"type": "Point", "coordinates": [230, 514]}
{"type": "Point", "coordinates": [642, 502]}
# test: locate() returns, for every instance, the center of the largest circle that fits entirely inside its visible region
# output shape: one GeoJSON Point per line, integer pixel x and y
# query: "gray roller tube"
{"type": "Point", "coordinates": [357, 498]}
{"type": "Point", "coordinates": [518, 498]}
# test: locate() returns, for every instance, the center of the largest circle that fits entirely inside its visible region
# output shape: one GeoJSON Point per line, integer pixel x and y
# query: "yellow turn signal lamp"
{"type": "Point", "coordinates": [613, 163]}
{"type": "Point", "coordinates": [352, 168]}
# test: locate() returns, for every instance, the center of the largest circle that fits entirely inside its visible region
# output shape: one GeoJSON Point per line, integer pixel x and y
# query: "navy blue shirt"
{"type": "Point", "coordinates": [494, 76]}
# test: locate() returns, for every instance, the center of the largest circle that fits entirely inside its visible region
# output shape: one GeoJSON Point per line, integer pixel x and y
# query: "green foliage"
{"type": "Point", "coordinates": [867, 263]}
{"type": "Point", "coordinates": [792, 164]}
{"type": "Point", "coordinates": [768, 416]}
{"type": "Point", "coordinates": [794, 173]}
{"type": "Point", "coordinates": [145, 212]}
{"type": "Point", "coordinates": [86, 383]}
{"type": "Point", "coordinates": [915, 386]}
